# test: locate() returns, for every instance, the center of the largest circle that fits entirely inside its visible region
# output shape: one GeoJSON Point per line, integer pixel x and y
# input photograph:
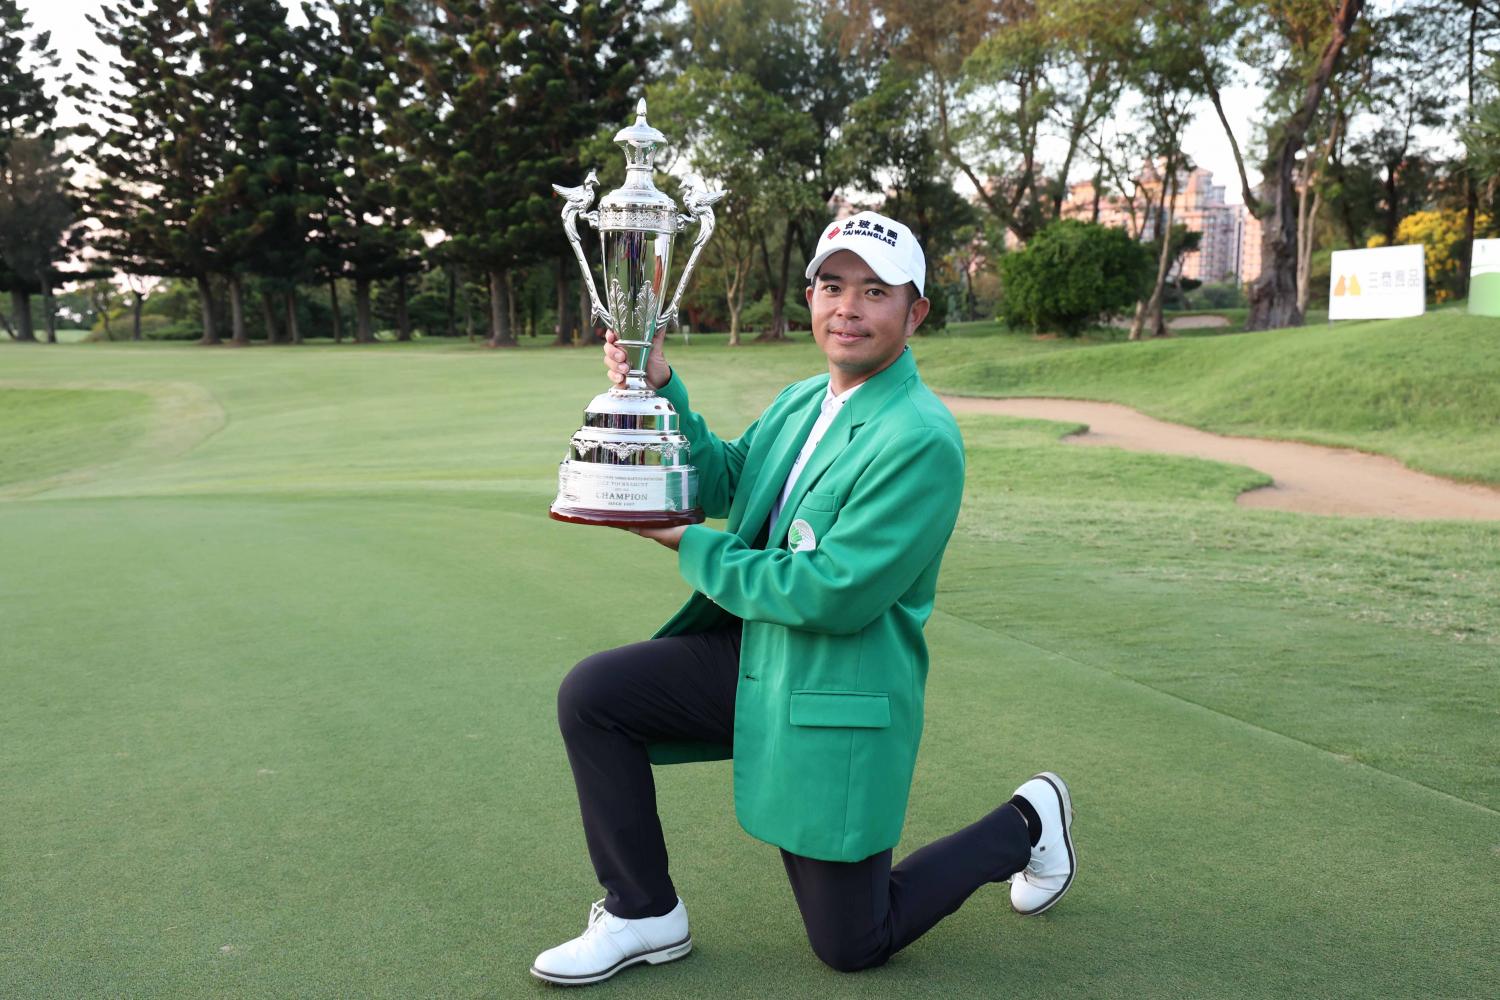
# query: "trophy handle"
{"type": "Point", "coordinates": [577, 200]}
{"type": "Point", "coordinates": [701, 204]}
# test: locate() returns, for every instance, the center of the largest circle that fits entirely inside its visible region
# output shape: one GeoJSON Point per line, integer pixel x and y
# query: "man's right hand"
{"type": "Point", "coordinates": [658, 372]}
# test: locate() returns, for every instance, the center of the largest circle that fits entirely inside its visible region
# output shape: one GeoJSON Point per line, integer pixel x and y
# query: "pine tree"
{"type": "Point", "coordinates": [599, 55]}
{"type": "Point", "coordinates": [152, 146]}
{"type": "Point", "coordinates": [255, 215]}
{"type": "Point", "coordinates": [366, 235]}
{"type": "Point", "coordinates": [471, 103]}
{"type": "Point", "coordinates": [38, 223]}
{"type": "Point", "coordinates": [26, 112]}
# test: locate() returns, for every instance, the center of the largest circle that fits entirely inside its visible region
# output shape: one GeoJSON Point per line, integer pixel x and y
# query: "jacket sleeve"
{"type": "Point", "coordinates": [895, 522]}
{"type": "Point", "coordinates": [718, 462]}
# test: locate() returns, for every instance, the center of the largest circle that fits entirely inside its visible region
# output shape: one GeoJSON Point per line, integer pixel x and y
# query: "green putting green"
{"type": "Point", "coordinates": [281, 629]}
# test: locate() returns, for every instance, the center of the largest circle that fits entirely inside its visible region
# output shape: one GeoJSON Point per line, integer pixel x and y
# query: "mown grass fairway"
{"type": "Point", "coordinates": [278, 681]}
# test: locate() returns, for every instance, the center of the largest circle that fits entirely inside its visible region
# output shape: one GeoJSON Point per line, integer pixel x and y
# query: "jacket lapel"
{"type": "Point", "coordinates": [859, 408]}
{"type": "Point", "coordinates": [772, 474]}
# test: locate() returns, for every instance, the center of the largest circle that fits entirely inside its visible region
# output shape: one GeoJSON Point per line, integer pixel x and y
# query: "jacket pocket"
{"type": "Point", "coordinates": [813, 500]}
{"type": "Point", "coordinates": [843, 709]}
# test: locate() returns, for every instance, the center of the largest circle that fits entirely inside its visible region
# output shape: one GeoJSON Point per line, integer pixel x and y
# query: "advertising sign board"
{"type": "Point", "coordinates": [1484, 279]}
{"type": "Point", "coordinates": [1379, 283]}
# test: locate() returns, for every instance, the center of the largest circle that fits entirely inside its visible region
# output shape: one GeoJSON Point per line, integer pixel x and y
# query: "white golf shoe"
{"type": "Point", "coordinates": [1052, 866]}
{"type": "Point", "coordinates": [611, 943]}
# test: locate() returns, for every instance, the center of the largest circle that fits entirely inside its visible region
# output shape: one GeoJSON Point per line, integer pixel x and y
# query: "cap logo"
{"type": "Point", "coordinates": [862, 227]}
{"type": "Point", "coordinates": [832, 233]}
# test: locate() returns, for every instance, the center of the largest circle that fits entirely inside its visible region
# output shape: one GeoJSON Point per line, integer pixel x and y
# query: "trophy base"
{"type": "Point", "coordinates": [626, 518]}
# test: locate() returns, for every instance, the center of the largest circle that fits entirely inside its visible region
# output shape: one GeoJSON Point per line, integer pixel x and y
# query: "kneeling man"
{"type": "Point", "coordinates": [800, 653]}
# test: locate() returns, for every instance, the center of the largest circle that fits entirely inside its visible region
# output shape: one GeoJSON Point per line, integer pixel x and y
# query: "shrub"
{"type": "Point", "coordinates": [1442, 233]}
{"type": "Point", "coordinates": [1072, 275]}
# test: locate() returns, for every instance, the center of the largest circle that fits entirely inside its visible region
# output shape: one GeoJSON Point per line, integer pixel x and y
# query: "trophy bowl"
{"type": "Point", "coordinates": [628, 465]}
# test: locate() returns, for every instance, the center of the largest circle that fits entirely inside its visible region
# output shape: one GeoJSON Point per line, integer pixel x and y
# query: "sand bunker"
{"type": "Point", "coordinates": [1309, 479]}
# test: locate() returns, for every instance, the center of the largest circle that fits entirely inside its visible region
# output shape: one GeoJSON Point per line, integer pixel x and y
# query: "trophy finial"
{"type": "Point", "coordinates": [640, 111]}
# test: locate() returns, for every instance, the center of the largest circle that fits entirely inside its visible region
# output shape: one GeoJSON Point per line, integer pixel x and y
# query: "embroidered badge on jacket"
{"type": "Point", "coordinates": [800, 537]}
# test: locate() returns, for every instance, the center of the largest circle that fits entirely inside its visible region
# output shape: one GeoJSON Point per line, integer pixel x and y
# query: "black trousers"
{"type": "Point", "coordinates": [857, 913]}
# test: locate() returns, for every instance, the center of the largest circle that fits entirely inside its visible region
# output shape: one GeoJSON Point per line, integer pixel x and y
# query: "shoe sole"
{"type": "Point", "coordinates": [670, 953]}
{"type": "Point", "coordinates": [1061, 788]}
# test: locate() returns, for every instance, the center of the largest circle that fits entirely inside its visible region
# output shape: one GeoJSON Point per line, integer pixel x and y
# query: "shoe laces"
{"type": "Point", "coordinates": [597, 913]}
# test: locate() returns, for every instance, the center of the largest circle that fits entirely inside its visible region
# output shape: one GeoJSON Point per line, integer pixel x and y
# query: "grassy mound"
{"type": "Point", "coordinates": [50, 431]}
{"type": "Point", "coordinates": [1424, 390]}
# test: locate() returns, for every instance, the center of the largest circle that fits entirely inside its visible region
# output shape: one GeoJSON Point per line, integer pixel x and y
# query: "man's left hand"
{"type": "Point", "coordinates": [670, 537]}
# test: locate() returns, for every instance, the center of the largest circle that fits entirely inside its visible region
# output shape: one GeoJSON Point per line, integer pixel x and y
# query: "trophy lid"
{"type": "Point", "coordinates": [640, 135]}
{"type": "Point", "coordinates": [640, 142]}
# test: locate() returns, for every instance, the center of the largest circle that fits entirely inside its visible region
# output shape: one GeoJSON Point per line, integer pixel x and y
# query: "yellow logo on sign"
{"type": "Point", "coordinates": [1349, 288]}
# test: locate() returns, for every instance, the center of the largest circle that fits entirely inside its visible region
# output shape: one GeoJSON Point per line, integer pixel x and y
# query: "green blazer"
{"type": "Point", "coordinates": [828, 709]}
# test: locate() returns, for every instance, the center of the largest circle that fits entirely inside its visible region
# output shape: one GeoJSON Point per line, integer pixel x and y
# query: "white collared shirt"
{"type": "Point", "coordinates": [832, 404]}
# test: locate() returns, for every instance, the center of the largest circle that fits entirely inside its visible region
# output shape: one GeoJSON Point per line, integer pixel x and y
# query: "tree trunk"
{"type": "Point", "coordinates": [101, 302]}
{"type": "Point", "coordinates": [501, 332]}
{"type": "Point", "coordinates": [734, 321]}
{"type": "Point", "coordinates": [206, 306]}
{"type": "Point", "coordinates": [363, 332]}
{"type": "Point", "coordinates": [510, 303]}
{"type": "Point", "coordinates": [1471, 190]}
{"type": "Point", "coordinates": [1307, 225]}
{"type": "Point", "coordinates": [1392, 204]}
{"type": "Point", "coordinates": [293, 328]}
{"type": "Point", "coordinates": [49, 311]}
{"type": "Point", "coordinates": [588, 330]}
{"type": "Point", "coordinates": [20, 306]}
{"type": "Point", "coordinates": [452, 300]}
{"type": "Point", "coordinates": [734, 298]}
{"type": "Point", "coordinates": [468, 311]}
{"type": "Point", "coordinates": [268, 315]}
{"type": "Point", "coordinates": [403, 318]}
{"type": "Point", "coordinates": [135, 315]}
{"type": "Point", "coordinates": [564, 304]}
{"type": "Point", "coordinates": [333, 305]}
{"type": "Point", "coordinates": [1273, 297]}
{"type": "Point", "coordinates": [238, 334]}
{"type": "Point", "coordinates": [1151, 311]}
{"type": "Point", "coordinates": [778, 282]}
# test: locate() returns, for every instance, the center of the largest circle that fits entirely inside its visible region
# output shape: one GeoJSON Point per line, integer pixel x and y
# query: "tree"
{"type": "Point", "coordinates": [38, 223]}
{"type": "Point", "coordinates": [366, 233]}
{"type": "Point", "coordinates": [999, 78]}
{"type": "Point", "coordinates": [1299, 45]}
{"type": "Point", "coordinates": [1163, 73]}
{"type": "Point", "coordinates": [738, 138]}
{"type": "Point", "coordinates": [27, 113]}
{"type": "Point", "coordinates": [1482, 137]}
{"type": "Point", "coordinates": [255, 214]}
{"type": "Point", "coordinates": [602, 54]}
{"type": "Point", "coordinates": [25, 107]}
{"type": "Point", "coordinates": [808, 59]}
{"type": "Point", "coordinates": [891, 151]}
{"type": "Point", "coordinates": [1070, 276]}
{"type": "Point", "coordinates": [474, 92]}
{"type": "Point", "coordinates": [1483, 20]}
{"type": "Point", "coordinates": [152, 142]}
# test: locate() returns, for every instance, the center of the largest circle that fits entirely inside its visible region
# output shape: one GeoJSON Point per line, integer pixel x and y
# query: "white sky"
{"type": "Point", "coordinates": [1205, 141]}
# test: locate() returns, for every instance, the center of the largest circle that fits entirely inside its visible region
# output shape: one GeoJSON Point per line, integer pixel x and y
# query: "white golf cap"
{"type": "Point", "coordinates": [885, 244]}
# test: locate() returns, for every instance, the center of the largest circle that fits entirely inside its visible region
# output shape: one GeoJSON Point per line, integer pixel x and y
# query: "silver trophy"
{"type": "Point", "coordinates": [628, 464]}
